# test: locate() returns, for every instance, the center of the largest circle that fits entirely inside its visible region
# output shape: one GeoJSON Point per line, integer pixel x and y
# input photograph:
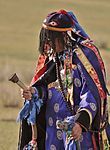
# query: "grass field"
{"type": "Point", "coordinates": [20, 22]}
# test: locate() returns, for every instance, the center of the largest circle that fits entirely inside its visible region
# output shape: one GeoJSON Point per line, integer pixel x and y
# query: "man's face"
{"type": "Point", "coordinates": [47, 48]}
{"type": "Point", "coordinates": [58, 46]}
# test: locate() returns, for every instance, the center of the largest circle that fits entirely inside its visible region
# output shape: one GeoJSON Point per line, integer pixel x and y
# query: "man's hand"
{"type": "Point", "coordinates": [27, 94]}
{"type": "Point", "coordinates": [76, 131]}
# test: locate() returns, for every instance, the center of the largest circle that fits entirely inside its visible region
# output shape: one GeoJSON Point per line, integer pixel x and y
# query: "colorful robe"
{"type": "Point", "coordinates": [86, 98]}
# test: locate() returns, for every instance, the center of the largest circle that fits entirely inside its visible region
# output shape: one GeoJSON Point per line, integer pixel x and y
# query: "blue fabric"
{"type": "Point", "coordinates": [72, 145]}
{"type": "Point", "coordinates": [89, 53]}
{"type": "Point", "coordinates": [57, 110]}
{"type": "Point", "coordinates": [66, 125]}
{"type": "Point", "coordinates": [24, 112]}
{"type": "Point", "coordinates": [93, 60]}
{"type": "Point", "coordinates": [95, 63]}
{"type": "Point", "coordinates": [88, 101]}
{"type": "Point", "coordinates": [30, 109]}
{"type": "Point", "coordinates": [77, 25]}
{"type": "Point", "coordinates": [108, 132]}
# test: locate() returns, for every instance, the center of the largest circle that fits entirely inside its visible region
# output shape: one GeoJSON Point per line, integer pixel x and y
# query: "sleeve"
{"type": "Point", "coordinates": [42, 92]}
{"type": "Point", "coordinates": [87, 108]}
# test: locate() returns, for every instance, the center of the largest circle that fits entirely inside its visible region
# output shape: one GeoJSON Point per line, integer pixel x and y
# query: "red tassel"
{"type": "Point", "coordinates": [94, 142]}
{"type": "Point", "coordinates": [63, 12]}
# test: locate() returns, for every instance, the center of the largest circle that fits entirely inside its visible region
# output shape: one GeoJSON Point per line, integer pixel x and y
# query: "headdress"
{"type": "Point", "coordinates": [55, 26]}
{"type": "Point", "coordinates": [58, 21]}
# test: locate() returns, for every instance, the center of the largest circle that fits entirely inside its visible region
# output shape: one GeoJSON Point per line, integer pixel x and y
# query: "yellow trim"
{"type": "Point", "coordinates": [56, 29]}
{"type": "Point", "coordinates": [89, 113]}
{"type": "Point", "coordinates": [105, 139]}
{"type": "Point", "coordinates": [89, 68]}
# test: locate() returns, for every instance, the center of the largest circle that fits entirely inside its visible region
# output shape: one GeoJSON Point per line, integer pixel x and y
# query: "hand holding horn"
{"type": "Point", "coordinates": [15, 79]}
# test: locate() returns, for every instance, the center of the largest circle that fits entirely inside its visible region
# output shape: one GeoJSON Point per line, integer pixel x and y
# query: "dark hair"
{"type": "Point", "coordinates": [55, 26]}
{"type": "Point", "coordinates": [49, 36]}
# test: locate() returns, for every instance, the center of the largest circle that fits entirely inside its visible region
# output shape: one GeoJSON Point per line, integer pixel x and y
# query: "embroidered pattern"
{"type": "Point", "coordinates": [49, 94]}
{"type": "Point", "coordinates": [59, 135]}
{"type": "Point", "coordinates": [32, 145]}
{"type": "Point", "coordinates": [81, 138]}
{"type": "Point", "coordinates": [53, 147]}
{"type": "Point", "coordinates": [68, 76]}
{"type": "Point", "coordinates": [46, 135]}
{"type": "Point", "coordinates": [93, 106]}
{"type": "Point", "coordinates": [91, 71]}
{"type": "Point", "coordinates": [50, 121]}
{"type": "Point", "coordinates": [56, 107]}
{"type": "Point", "coordinates": [77, 82]}
{"type": "Point", "coordinates": [92, 47]}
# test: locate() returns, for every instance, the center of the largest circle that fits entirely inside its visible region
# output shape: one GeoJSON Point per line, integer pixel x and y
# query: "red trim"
{"type": "Point", "coordinates": [38, 74]}
{"type": "Point", "coordinates": [40, 68]}
{"type": "Point", "coordinates": [62, 12]}
{"type": "Point", "coordinates": [94, 142]}
{"type": "Point", "coordinates": [90, 69]}
{"type": "Point", "coordinates": [92, 47]}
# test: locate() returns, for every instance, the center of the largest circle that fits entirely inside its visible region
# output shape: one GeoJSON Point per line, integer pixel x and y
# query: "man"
{"type": "Point", "coordinates": [70, 80]}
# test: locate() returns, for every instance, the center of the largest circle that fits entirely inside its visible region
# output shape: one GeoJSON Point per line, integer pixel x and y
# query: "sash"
{"type": "Point", "coordinates": [101, 71]}
{"type": "Point", "coordinates": [91, 71]}
{"type": "Point", "coordinates": [95, 86]}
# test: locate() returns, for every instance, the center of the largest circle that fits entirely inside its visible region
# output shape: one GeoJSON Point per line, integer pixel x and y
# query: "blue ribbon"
{"type": "Point", "coordinates": [30, 109]}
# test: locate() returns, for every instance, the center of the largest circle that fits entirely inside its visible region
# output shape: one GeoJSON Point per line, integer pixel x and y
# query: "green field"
{"type": "Point", "coordinates": [20, 23]}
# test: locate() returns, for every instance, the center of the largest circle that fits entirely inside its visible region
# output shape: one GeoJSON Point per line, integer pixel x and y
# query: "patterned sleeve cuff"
{"type": "Point", "coordinates": [84, 119]}
{"type": "Point", "coordinates": [42, 92]}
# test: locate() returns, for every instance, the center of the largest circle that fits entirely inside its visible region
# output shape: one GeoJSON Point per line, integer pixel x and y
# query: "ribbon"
{"type": "Point", "coordinates": [30, 109]}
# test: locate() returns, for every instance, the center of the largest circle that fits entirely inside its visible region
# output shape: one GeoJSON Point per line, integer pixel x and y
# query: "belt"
{"type": "Point", "coordinates": [54, 85]}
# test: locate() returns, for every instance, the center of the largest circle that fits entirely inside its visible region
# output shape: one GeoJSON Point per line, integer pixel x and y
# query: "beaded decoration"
{"type": "Point", "coordinates": [68, 76]}
{"type": "Point", "coordinates": [64, 75]}
{"type": "Point", "coordinates": [32, 145]}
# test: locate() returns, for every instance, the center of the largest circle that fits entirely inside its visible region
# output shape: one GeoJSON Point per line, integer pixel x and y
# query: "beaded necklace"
{"type": "Point", "coordinates": [65, 77]}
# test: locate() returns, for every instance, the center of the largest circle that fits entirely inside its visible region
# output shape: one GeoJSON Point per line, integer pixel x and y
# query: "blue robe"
{"type": "Point", "coordinates": [57, 110]}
